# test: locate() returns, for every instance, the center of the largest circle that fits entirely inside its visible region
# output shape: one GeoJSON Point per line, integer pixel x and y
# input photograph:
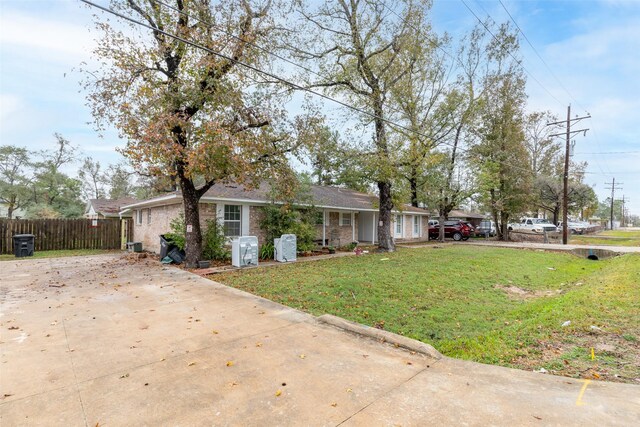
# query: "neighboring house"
{"type": "Point", "coordinates": [474, 219]}
{"type": "Point", "coordinates": [107, 208]}
{"type": "Point", "coordinates": [347, 215]}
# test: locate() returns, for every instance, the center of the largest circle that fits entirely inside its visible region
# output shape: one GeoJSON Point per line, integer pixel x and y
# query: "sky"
{"type": "Point", "coordinates": [585, 53]}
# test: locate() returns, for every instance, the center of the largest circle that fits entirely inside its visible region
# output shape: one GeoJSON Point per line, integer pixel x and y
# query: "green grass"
{"type": "Point", "coordinates": [449, 298]}
{"type": "Point", "coordinates": [60, 253]}
{"type": "Point", "coordinates": [609, 238]}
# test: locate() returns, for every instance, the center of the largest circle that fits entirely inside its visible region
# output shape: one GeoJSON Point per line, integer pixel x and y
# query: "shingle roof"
{"type": "Point", "coordinates": [321, 196]}
{"type": "Point", "coordinates": [110, 206]}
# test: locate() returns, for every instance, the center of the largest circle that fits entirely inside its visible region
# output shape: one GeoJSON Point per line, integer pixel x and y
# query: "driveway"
{"type": "Point", "coordinates": [102, 340]}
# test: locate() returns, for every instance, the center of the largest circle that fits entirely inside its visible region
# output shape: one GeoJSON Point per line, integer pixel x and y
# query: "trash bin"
{"type": "Point", "coordinates": [176, 255]}
{"type": "Point", "coordinates": [23, 245]}
{"type": "Point", "coordinates": [134, 246]}
{"type": "Point", "coordinates": [165, 246]}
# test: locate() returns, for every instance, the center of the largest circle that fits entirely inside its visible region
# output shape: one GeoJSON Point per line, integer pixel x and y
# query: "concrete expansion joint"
{"type": "Point", "coordinates": [381, 335]}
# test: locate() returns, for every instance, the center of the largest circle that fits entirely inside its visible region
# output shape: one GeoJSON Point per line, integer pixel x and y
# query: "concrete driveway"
{"type": "Point", "coordinates": [101, 340]}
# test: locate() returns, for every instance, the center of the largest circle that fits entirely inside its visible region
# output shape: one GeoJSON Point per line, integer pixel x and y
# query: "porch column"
{"type": "Point", "coordinates": [353, 227]}
{"type": "Point", "coordinates": [324, 227]}
{"type": "Point", "coordinates": [373, 230]}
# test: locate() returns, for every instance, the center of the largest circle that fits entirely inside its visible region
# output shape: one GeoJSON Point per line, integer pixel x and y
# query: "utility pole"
{"type": "Point", "coordinates": [565, 195]}
{"type": "Point", "coordinates": [623, 221]}
{"type": "Point", "coordinates": [613, 189]}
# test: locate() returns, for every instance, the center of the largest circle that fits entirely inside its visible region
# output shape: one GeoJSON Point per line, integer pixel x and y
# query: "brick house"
{"type": "Point", "coordinates": [347, 215]}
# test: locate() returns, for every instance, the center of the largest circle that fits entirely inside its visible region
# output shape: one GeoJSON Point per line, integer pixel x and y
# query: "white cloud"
{"type": "Point", "coordinates": [53, 38]}
{"type": "Point", "coordinates": [9, 104]}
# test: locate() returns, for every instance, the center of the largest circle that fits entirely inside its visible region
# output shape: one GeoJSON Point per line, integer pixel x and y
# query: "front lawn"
{"type": "Point", "coordinates": [609, 237]}
{"type": "Point", "coordinates": [60, 253]}
{"type": "Point", "coordinates": [491, 305]}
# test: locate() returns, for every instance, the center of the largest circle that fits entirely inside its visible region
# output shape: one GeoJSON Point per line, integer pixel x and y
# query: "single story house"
{"type": "Point", "coordinates": [347, 215]}
{"type": "Point", "coordinates": [473, 218]}
{"type": "Point", "coordinates": [107, 208]}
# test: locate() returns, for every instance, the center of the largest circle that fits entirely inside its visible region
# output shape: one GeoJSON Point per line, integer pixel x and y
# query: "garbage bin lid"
{"type": "Point", "coordinates": [18, 236]}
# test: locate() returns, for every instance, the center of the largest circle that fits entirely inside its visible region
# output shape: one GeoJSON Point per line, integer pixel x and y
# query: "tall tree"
{"type": "Point", "coordinates": [93, 179]}
{"type": "Point", "coordinates": [193, 113]}
{"type": "Point", "coordinates": [500, 154]}
{"type": "Point", "coordinates": [15, 167]}
{"type": "Point", "coordinates": [120, 181]}
{"type": "Point", "coordinates": [544, 151]}
{"type": "Point", "coordinates": [357, 46]}
{"type": "Point", "coordinates": [53, 192]}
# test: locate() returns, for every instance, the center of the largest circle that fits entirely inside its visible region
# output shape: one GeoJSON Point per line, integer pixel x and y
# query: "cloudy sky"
{"type": "Point", "coordinates": [590, 49]}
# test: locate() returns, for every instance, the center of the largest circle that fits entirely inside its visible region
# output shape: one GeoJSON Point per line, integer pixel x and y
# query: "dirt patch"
{"type": "Point", "coordinates": [518, 293]}
{"type": "Point", "coordinates": [615, 357]}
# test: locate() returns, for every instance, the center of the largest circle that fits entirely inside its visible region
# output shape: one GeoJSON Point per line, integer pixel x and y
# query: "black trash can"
{"type": "Point", "coordinates": [23, 245]}
{"type": "Point", "coordinates": [165, 246]}
{"type": "Point", "coordinates": [176, 255]}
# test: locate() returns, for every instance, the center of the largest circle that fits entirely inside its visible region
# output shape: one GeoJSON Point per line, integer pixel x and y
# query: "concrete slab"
{"type": "Point", "coordinates": [103, 340]}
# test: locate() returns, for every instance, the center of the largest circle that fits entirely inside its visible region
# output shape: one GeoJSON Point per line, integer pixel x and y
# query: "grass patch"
{"type": "Point", "coordinates": [60, 253]}
{"type": "Point", "coordinates": [456, 299]}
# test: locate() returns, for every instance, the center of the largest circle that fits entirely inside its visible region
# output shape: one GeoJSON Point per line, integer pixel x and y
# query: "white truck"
{"type": "Point", "coordinates": [535, 225]}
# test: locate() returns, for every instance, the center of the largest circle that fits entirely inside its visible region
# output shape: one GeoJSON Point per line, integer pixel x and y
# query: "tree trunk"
{"type": "Point", "coordinates": [385, 238]}
{"type": "Point", "coordinates": [413, 183]}
{"type": "Point", "coordinates": [193, 246]}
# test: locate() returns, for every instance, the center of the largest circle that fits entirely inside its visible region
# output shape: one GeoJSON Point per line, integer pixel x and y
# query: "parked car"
{"type": "Point", "coordinates": [472, 229]}
{"type": "Point", "coordinates": [455, 229]}
{"type": "Point", "coordinates": [574, 227]}
{"type": "Point", "coordinates": [537, 225]}
{"type": "Point", "coordinates": [433, 222]}
{"type": "Point", "coordinates": [487, 227]}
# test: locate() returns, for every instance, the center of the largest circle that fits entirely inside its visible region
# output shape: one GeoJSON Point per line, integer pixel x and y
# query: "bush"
{"type": "Point", "coordinates": [279, 220]}
{"type": "Point", "coordinates": [178, 235]}
{"type": "Point", "coordinates": [267, 250]}
{"type": "Point", "coordinates": [213, 241]}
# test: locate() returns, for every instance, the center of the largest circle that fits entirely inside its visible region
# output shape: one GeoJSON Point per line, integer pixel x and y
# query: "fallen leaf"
{"type": "Point", "coordinates": [214, 332]}
{"type": "Point", "coordinates": [13, 328]}
{"type": "Point", "coordinates": [191, 363]}
{"type": "Point", "coordinates": [334, 404]}
{"type": "Point", "coordinates": [302, 356]}
{"type": "Point", "coordinates": [349, 390]}
{"type": "Point", "coordinates": [537, 418]}
{"type": "Point", "coordinates": [229, 363]}
{"type": "Point", "coordinates": [125, 376]}
{"type": "Point", "coordinates": [258, 344]}
{"type": "Point", "coordinates": [278, 393]}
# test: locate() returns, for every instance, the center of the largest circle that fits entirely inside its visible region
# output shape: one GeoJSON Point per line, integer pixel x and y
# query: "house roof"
{"type": "Point", "coordinates": [110, 207]}
{"type": "Point", "coordinates": [321, 196]}
{"type": "Point", "coordinates": [460, 214]}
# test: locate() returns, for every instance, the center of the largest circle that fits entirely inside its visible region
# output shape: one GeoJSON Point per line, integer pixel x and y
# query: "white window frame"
{"type": "Point", "coordinates": [417, 225]}
{"type": "Point", "coordinates": [343, 216]}
{"type": "Point", "coordinates": [238, 221]}
{"type": "Point", "coordinates": [399, 222]}
{"type": "Point", "coordinates": [139, 217]}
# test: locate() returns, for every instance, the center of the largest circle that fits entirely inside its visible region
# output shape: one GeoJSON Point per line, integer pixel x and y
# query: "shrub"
{"type": "Point", "coordinates": [305, 233]}
{"type": "Point", "coordinates": [213, 241]}
{"type": "Point", "coordinates": [267, 250]}
{"type": "Point", "coordinates": [178, 234]}
{"type": "Point", "coordinates": [279, 220]}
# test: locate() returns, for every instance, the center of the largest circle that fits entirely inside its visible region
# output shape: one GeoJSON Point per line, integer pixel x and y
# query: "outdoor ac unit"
{"type": "Point", "coordinates": [285, 248]}
{"type": "Point", "coordinates": [244, 251]}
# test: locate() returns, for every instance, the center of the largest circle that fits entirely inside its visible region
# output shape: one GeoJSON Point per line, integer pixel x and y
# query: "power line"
{"type": "Point", "coordinates": [275, 77]}
{"type": "Point", "coordinates": [511, 54]}
{"type": "Point", "coordinates": [610, 152]}
{"type": "Point", "coordinates": [536, 52]}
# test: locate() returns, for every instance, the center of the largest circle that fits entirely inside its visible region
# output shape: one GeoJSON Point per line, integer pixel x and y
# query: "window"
{"type": "Point", "coordinates": [139, 217]}
{"type": "Point", "coordinates": [148, 216]}
{"type": "Point", "coordinates": [345, 218]}
{"type": "Point", "coordinates": [416, 226]}
{"type": "Point", "coordinates": [232, 220]}
{"type": "Point", "coordinates": [399, 225]}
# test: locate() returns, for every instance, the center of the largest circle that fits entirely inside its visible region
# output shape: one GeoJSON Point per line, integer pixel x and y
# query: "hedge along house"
{"type": "Point", "coordinates": [346, 215]}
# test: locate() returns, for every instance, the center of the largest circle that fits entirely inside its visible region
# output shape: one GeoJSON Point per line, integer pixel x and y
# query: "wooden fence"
{"type": "Point", "coordinates": [57, 234]}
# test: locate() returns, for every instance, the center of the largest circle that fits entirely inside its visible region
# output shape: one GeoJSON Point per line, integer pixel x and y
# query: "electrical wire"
{"type": "Point", "coordinates": [275, 77]}
{"type": "Point", "coordinates": [519, 61]}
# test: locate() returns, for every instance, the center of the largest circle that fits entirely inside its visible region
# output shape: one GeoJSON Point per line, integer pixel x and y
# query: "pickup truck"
{"type": "Point", "coordinates": [536, 225]}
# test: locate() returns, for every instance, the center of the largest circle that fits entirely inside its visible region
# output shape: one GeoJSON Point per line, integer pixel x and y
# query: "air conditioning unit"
{"type": "Point", "coordinates": [244, 251]}
{"type": "Point", "coordinates": [285, 248]}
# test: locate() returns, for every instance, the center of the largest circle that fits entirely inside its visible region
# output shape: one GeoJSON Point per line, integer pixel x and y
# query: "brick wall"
{"type": "Point", "coordinates": [336, 234]}
{"type": "Point", "coordinates": [161, 216]}
{"type": "Point", "coordinates": [256, 214]}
